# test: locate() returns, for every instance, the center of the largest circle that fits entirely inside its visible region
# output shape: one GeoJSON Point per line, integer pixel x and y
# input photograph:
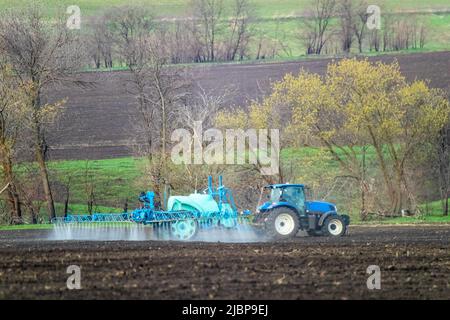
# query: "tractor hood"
{"type": "Point", "coordinates": [311, 206]}
{"type": "Point", "coordinates": [320, 206]}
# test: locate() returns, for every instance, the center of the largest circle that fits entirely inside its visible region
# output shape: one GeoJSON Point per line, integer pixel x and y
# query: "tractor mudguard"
{"type": "Point", "coordinates": [324, 216]}
{"type": "Point", "coordinates": [346, 219]}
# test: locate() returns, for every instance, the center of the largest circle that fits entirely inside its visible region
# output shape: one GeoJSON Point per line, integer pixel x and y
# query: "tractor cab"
{"type": "Point", "coordinates": [290, 195]}
{"type": "Point", "coordinates": [283, 209]}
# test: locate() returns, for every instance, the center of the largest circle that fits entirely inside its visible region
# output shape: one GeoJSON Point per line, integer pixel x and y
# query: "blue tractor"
{"type": "Point", "coordinates": [285, 210]}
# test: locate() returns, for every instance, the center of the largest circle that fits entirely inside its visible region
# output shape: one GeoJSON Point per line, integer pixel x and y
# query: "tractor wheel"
{"type": "Point", "coordinates": [184, 229]}
{"type": "Point", "coordinates": [334, 226]}
{"type": "Point", "coordinates": [282, 223]}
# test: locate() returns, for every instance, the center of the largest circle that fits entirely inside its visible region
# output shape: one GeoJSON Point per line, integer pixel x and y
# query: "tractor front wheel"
{"type": "Point", "coordinates": [334, 226]}
{"type": "Point", "coordinates": [282, 223]}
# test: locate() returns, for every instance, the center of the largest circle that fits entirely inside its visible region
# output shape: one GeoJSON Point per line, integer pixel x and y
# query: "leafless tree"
{"type": "Point", "coordinates": [422, 35]}
{"type": "Point", "coordinates": [266, 47]}
{"type": "Point", "coordinates": [316, 29]}
{"type": "Point", "coordinates": [387, 32]}
{"type": "Point", "coordinates": [204, 108]}
{"type": "Point", "coordinates": [360, 23]}
{"type": "Point", "coordinates": [208, 13]}
{"type": "Point", "coordinates": [89, 182]}
{"type": "Point", "coordinates": [345, 11]}
{"type": "Point", "coordinates": [11, 127]}
{"type": "Point", "coordinates": [239, 33]}
{"type": "Point", "coordinates": [132, 27]}
{"type": "Point", "coordinates": [159, 89]}
{"type": "Point", "coordinates": [181, 41]}
{"type": "Point", "coordinates": [29, 185]}
{"type": "Point", "coordinates": [41, 54]}
{"type": "Point", "coordinates": [374, 40]}
{"type": "Point", "coordinates": [403, 33]}
{"type": "Point", "coordinates": [443, 164]}
{"type": "Point", "coordinates": [100, 41]}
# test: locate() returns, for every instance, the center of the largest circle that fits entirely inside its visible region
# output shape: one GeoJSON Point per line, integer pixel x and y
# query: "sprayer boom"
{"type": "Point", "coordinates": [184, 216]}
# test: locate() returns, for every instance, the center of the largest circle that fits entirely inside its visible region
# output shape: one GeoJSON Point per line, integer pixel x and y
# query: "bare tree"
{"type": "Point", "coordinates": [131, 29]}
{"type": "Point", "coordinates": [443, 160]}
{"type": "Point", "coordinates": [41, 54]}
{"type": "Point", "coordinates": [403, 33]}
{"type": "Point", "coordinates": [29, 185]}
{"type": "Point", "coordinates": [360, 23]}
{"type": "Point", "coordinates": [182, 42]}
{"type": "Point", "coordinates": [374, 40]}
{"type": "Point", "coordinates": [316, 26]}
{"type": "Point", "coordinates": [422, 35]}
{"type": "Point", "coordinates": [208, 13]}
{"type": "Point", "coordinates": [204, 109]}
{"type": "Point", "coordinates": [12, 99]}
{"type": "Point", "coordinates": [100, 41]}
{"type": "Point", "coordinates": [345, 10]}
{"type": "Point", "coordinates": [239, 33]}
{"type": "Point", "coordinates": [89, 187]}
{"type": "Point", "coordinates": [159, 89]}
{"type": "Point", "coordinates": [387, 33]}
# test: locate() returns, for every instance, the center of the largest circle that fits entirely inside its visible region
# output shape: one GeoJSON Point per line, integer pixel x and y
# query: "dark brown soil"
{"type": "Point", "coordinates": [414, 262]}
{"type": "Point", "coordinates": [97, 123]}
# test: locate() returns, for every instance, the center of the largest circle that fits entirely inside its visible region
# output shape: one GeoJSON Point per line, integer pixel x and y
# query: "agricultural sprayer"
{"type": "Point", "coordinates": [283, 211]}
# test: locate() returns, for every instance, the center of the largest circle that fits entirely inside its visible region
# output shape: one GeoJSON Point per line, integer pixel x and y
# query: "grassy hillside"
{"type": "Point", "coordinates": [264, 8]}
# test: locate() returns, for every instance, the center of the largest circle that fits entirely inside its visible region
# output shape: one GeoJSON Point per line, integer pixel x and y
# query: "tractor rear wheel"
{"type": "Point", "coordinates": [334, 226]}
{"type": "Point", "coordinates": [282, 223]}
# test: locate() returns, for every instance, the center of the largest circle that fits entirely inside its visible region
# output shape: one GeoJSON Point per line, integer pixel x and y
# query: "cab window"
{"type": "Point", "coordinates": [294, 195]}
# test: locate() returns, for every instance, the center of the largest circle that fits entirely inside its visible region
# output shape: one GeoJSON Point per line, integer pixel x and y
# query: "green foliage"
{"type": "Point", "coordinates": [115, 179]}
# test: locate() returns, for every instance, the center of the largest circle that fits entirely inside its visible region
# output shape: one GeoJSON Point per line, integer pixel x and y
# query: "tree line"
{"type": "Point", "coordinates": [337, 26]}
{"type": "Point", "coordinates": [209, 32]}
{"type": "Point", "coordinates": [213, 31]}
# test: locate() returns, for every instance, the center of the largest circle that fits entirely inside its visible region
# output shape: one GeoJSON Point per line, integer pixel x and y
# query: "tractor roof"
{"type": "Point", "coordinates": [284, 185]}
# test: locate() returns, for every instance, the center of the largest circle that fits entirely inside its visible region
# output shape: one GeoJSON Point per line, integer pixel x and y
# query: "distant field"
{"type": "Point", "coordinates": [278, 19]}
{"type": "Point", "coordinates": [263, 8]}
